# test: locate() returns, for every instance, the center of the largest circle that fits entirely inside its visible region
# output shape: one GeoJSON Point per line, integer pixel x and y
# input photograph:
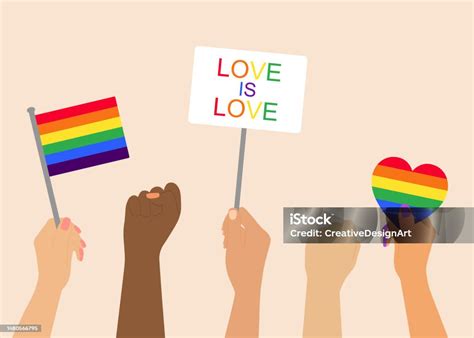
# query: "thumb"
{"type": "Point", "coordinates": [233, 232]}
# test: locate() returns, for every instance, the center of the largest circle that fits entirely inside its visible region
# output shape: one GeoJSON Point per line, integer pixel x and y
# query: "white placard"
{"type": "Point", "coordinates": [244, 89]}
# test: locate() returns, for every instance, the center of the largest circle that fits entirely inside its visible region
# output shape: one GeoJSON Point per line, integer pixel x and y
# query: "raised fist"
{"type": "Point", "coordinates": [150, 218]}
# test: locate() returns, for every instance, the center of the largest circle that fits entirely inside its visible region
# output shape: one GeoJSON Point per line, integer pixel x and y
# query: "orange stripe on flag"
{"type": "Point", "coordinates": [412, 177]}
{"type": "Point", "coordinates": [78, 120]}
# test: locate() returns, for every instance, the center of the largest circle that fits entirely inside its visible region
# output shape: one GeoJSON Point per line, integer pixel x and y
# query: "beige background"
{"type": "Point", "coordinates": [383, 79]}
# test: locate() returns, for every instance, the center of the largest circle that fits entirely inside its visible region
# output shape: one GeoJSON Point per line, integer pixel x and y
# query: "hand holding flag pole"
{"type": "Point", "coordinates": [76, 138]}
{"type": "Point", "coordinates": [44, 167]}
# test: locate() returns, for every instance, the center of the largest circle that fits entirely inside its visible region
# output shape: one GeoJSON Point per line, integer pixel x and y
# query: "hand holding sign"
{"type": "Point", "coordinates": [246, 244]}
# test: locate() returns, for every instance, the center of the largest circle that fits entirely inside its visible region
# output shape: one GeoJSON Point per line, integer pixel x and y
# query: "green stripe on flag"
{"type": "Point", "coordinates": [401, 198]}
{"type": "Point", "coordinates": [83, 141]}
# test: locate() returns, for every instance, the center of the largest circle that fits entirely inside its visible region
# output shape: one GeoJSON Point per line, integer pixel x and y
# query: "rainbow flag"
{"type": "Point", "coordinates": [394, 184]}
{"type": "Point", "coordinates": [82, 136]}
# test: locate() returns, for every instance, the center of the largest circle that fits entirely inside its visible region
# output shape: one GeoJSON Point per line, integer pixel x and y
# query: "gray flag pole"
{"type": "Point", "coordinates": [44, 167]}
{"type": "Point", "coordinates": [240, 167]}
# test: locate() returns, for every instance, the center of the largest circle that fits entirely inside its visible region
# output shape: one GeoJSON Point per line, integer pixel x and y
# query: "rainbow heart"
{"type": "Point", "coordinates": [394, 184]}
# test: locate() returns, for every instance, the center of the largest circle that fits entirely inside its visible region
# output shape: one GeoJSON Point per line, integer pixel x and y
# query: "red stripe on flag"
{"type": "Point", "coordinates": [76, 110]}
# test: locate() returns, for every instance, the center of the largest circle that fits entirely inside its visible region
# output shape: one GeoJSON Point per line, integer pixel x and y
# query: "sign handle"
{"type": "Point", "coordinates": [240, 168]}
{"type": "Point", "coordinates": [44, 167]}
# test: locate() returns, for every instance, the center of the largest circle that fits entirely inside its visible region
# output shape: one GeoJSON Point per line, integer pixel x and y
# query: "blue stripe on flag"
{"type": "Point", "coordinates": [86, 151]}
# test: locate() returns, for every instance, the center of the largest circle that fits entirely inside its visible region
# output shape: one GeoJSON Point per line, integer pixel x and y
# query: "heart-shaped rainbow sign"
{"type": "Point", "coordinates": [394, 184]}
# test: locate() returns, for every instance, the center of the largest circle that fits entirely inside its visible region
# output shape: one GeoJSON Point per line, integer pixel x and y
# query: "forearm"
{"type": "Point", "coordinates": [245, 315]}
{"type": "Point", "coordinates": [422, 314]}
{"type": "Point", "coordinates": [141, 308]}
{"type": "Point", "coordinates": [322, 316]}
{"type": "Point", "coordinates": [41, 311]}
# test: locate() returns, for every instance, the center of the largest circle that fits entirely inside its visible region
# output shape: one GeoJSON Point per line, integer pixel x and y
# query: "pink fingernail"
{"type": "Point", "coordinates": [152, 195]}
{"type": "Point", "coordinates": [77, 229]}
{"type": "Point", "coordinates": [81, 254]}
{"type": "Point", "coordinates": [65, 223]}
{"type": "Point", "coordinates": [83, 244]}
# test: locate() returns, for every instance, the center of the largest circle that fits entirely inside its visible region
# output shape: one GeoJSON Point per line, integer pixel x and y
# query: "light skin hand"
{"type": "Point", "coordinates": [150, 218]}
{"type": "Point", "coordinates": [246, 244]}
{"type": "Point", "coordinates": [327, 267]}
{"type": "Point", "coordinates": [411, 260]}
{"type": "Point", "coordinates": [54, 250]}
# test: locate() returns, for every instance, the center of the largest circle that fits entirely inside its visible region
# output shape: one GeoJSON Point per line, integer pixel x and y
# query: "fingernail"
{"type": "Point", "coordinates": [81, 254]}
{"type": "Point", "coordinates": [83, 244]}
{"type": "Point", "coordinates": [152, 195]}
{"type": "Point", "coordinates": [233, 214]}
{"type": "Point", "coordinates": [65, 223]}
{"type": "Point", "coordinates": [385, 238]}
{"type": "Point", "coordinates": [405, 209]}
{"type": "Point", "coordinates": [77, 229]}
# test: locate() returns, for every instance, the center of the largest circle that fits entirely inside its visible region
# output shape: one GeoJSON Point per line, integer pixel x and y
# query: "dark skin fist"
{"type": "Point", "coordinates": [150, 218]}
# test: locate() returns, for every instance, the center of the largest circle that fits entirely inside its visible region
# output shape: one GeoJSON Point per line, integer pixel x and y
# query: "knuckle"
{"type": "Point", "coordinates": [132, 198]}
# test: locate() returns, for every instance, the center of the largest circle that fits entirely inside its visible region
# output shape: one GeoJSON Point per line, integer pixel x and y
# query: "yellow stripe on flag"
{"type": "Point", "coordinates": [408, 188]}
{"type": "Point", "coordinates": [79, 131]}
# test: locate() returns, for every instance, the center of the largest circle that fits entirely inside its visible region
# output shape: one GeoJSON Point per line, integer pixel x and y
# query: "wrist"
{"type": "Point", "coordinates": [248, 291]}
{"type": "Point", "coordinates": [145, 264]}
{"type": "Point", "coordinates": [415, 280]}
{"type": "Point", "coordinates": [245, 293]}
{"type": "Point", "coordinates": [250, 299]}
{"type": "Point", "coordinates": [147, 259]}
{"type": "Point", "coordinates": [48, 290]}
{"type": "Point", "coordinates": [323, 286]}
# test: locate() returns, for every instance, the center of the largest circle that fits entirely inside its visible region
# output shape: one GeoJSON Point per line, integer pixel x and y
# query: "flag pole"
{"type": "Point", "coordinates": [240, 167]}
{"type": "Point", "coordinates": [44, 167]}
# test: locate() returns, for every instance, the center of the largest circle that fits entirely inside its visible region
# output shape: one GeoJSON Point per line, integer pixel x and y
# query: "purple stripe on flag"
{"type": "Point", "coordinates": [88, 161]}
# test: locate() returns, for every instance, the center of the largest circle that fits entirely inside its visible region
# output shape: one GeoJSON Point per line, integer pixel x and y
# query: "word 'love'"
{"type": "Point", "coordinates": [243, 70]}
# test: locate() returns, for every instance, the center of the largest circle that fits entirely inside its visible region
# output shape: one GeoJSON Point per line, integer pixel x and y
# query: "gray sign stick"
{"type": "Point", "coordinates": [240, 168]}
{"type": "Point", "coordinates": [44, 167]}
